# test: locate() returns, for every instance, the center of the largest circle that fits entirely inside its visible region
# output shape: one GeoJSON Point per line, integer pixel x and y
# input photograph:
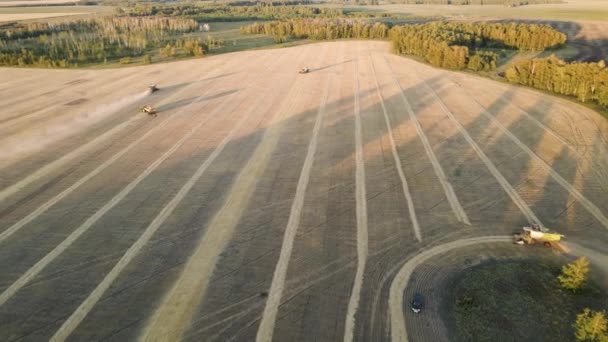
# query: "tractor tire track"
{"type": "Point", "coordinates": [445, 183]}
{"type": "Point", "coordinates": [361, 212]}
{"type": "Point", "coordinates": [68, 241]}
{"type": "Point", "coordinates": [587, 204]}
{"type": "Point", "coordinates": [517, 200]}
{"type": "Point", "coordinates": [397, 318]}
{"type": "Point", "coordinates": [275, 293]}
{"type": "Point", "coordinates": [72, 155]}
{"type": "Point", "coordinates": [55, 199]}
{"type": "Point", "coordinates": [174, 314]}
{"type": "Point", "coordinates": [85, 307]}
{"type": "Point", "coordinates": [404, 184]}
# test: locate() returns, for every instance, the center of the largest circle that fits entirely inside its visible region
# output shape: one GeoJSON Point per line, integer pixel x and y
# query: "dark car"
{"type": "Point", "coordinates": [417, 303]}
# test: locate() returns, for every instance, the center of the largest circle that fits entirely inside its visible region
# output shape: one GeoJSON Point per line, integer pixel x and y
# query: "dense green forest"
{"type": "Point", "coordinates": [77, 41]}
{"type": "Point", "coordinates": [588, 82]}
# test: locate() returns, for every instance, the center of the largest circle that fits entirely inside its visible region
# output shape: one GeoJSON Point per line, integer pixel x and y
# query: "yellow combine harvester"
{"type": "Point", "coordinates": [534, 234]}
{"type": "Point", "coordinates": [148, 110]}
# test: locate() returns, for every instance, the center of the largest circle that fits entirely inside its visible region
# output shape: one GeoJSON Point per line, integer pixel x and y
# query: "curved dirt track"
{"type": "Point", "coordinates": [397, 288]}
{"type": "Point", "coordinates": [263, 204]}
{"type": "Point", "coordinates": [430, 273]}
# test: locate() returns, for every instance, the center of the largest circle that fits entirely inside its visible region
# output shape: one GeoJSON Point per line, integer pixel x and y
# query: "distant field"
{"type": "Point", "coordinates": [26, 16]}
{"type": "Point", "coordinates": [29, 13]}
{"type": "Point", "coordinates": [572, 10]}
{"type": "Point", "coordinates": [4, 3]}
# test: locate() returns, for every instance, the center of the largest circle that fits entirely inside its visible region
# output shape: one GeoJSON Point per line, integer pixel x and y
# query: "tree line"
{"type": "Point", "coordinates": [78, 41]}
{"type": "Point", "coordinates": [319, 29]}
{"type": "Point", "coordinates": [521, 36]}
{"type": "Point", "coordinates": [588, 82]}
{"type": "Point", "coordinates": [442, 44]}
{"type": "Point", "coordinates": [230, 12]}
{"type": "Point", "coordinates": [448, 44]}
{"type": "Point", "coordinates": [438, 48]}
{"type": "Point", "coordinates": [241, 11]}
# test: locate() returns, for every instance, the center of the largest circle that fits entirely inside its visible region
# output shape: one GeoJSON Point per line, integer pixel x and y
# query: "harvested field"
{"type": "Point", "coordinates": [26, 16]}
{"type": "Point", "coordinates": [265, 204]}
{"type": "Point", "coordinates": [11, 14]}
{"type": "Point", "coordinates": [569, 10]}
{"type": "Point", "coordinates": [9, 3]}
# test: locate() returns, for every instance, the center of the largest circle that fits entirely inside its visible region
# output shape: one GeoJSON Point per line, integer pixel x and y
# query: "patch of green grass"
{"type": "Point", "coordinates": [234, 40]}
{"type": "Point", "coordinates": [566, 52]}
{"type": "Point", "coordinates": [515, 301]}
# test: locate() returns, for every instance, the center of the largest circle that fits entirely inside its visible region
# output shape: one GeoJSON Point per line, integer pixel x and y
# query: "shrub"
{"type": "Point", "coordinates": [591, 326]}
{"type": "Point", "coordinates": [574, 275]}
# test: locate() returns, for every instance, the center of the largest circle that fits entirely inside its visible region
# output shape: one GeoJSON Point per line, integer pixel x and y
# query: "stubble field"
{"type": "Point", "coordinates": [261, 203]}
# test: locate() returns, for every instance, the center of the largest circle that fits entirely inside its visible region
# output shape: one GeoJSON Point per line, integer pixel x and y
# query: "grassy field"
{"type": "Point", "coordinates": [508, 300]}
{"type": "Point", "coordinates": [236, 41]}
{"type": "Point", "coordinates": [229, 32]}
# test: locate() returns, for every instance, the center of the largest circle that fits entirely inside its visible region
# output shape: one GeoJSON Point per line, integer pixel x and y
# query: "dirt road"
{"type": "Point", "coordinates": [265, 204]}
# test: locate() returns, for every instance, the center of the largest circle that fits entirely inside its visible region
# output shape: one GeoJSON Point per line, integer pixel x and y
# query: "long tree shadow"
{"type": "Point", "coordinates": [162, 250]}
{"type": "Point", "coordinates": [486, 206]}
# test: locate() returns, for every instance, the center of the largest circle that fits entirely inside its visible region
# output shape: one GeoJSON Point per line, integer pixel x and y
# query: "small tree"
{"type": "Point", "coordinates": [167, 51]}
{"type": "Point", "coordinates": [574, 275]}
{"type": "Point", "coordinates": [591, 326]}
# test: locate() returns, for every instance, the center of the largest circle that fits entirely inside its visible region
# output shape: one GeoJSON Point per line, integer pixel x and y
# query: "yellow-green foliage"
{"type": "Point", "coordinates": [574, 275]}
{"type": "Point", "coordinates": [585, 81]}
{"type": "Point", "coordinates": [88, 40]}
{"type": "Point", "coordinates": [591, 326]}
{"type": "Point", "coordinates": [320, 29]}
